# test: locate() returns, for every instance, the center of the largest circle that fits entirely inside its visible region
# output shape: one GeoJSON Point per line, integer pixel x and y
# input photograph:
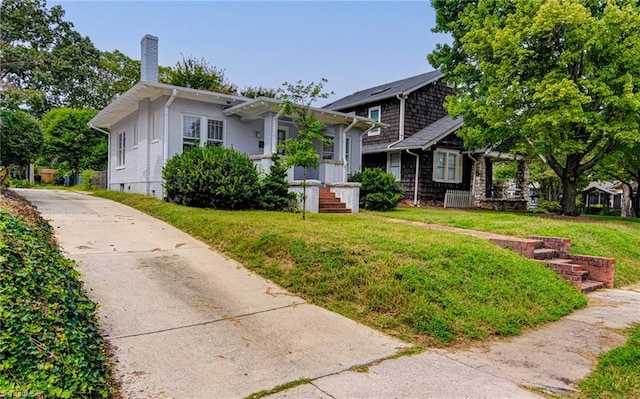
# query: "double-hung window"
{"type": "Point", "coordinates": [328, 147]}
{"type": "Point", "coordinates": [215, 132]}
{"type": "Point", "coordinates": [393, 164]}
{"type": "Point", "coordinates": [374, 115]}
{"type": "Point", "coordinates": [190, 132]}
{"type": "Point", "coordinates": [447, 166]}
{"type": "Point", "coordinates": [121, 148]}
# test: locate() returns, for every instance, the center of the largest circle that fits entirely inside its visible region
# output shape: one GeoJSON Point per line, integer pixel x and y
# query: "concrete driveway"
{"type": "Point", "coordinates": [189, 323]}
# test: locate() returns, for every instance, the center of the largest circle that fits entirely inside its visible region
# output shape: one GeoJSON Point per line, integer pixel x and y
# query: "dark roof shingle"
{"type": "Point", "coordinates": [386, 90]}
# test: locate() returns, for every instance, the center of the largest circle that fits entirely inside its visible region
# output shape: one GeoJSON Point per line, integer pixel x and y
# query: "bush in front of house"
{"type": "Point", "coordinates": [548, 206]}
{"type": "Point", "coordinates": [212, 177]}
{"type": "Point", "coordinates": [379, 190]}
{"type": "Point", "coordinates": [274, 191]}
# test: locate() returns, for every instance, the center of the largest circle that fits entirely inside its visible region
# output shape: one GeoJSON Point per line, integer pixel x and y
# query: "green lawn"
{"type": "Point", "coordinates": [428, 287]}
{"type": "Point", "coordinates": [617, 374]}
{"type": "Point", "coordinates": [599, 236]}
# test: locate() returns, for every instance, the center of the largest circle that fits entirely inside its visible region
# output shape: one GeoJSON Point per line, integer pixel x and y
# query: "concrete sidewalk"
{"type": "Point", "coordinates": [185, 321]}
{"type": "Point", "coordinates": [189, 323]}
{"type": "Point", "coordinates": [553, 358]}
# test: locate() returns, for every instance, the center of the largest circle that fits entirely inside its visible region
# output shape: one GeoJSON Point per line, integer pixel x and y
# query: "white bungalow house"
{"type": "Point", "coordinates": [152, 122]}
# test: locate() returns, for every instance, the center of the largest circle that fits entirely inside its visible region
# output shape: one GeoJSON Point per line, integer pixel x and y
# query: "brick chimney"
{"type": "Point", "coordinates": [149, 59]}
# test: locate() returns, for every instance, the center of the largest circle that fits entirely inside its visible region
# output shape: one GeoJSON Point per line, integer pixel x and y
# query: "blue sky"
{"type": "Point", "coordinates": [353, 44]}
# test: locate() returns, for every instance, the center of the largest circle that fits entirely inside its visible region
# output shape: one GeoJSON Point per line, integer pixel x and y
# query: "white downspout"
{"type": "Point", "coordinates": [343, 146]}
{"type": "Point", "coordinates": [401, 97]}
{"type": "Point", "coordinates": [165, 149]}
{"type": "Point", "coordinates": [108, 151]}
{"type": "Point", "coordinates": [415, 187]}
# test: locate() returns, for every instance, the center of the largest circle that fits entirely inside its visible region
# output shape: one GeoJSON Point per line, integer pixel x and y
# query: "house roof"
{"type": "Point", "coordinates": [423, 139]}
{"type": "Point", "coordinates": [247, 109]}
{"type": "Point", "coordinates": [127, 102]}
{"type": "Point", "coordinates": [385, 91]}
{"type": "Point", "coordinates": [256, 108]}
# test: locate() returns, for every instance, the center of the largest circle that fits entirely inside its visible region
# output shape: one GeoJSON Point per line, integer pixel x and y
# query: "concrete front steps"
{"type": "Point", "coordinates": [329, 203]}
{"type": "Point", "coordinates": [587, 273]}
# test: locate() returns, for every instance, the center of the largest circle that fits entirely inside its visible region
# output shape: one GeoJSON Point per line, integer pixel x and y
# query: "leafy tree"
{"type": "Point", "coordinates": [199, 74]}
{"type": "Point", "coordinates": [69, 142]}
{"type": "Point", "coordinates": [297, 99]}
{"type": "Point", "coordinates": [624, 165]}
{"type": "Point", "coordinates": [114, 74]}
{"type": "Point", "coordinates": [20, 141]}
{"type": "Point", "coordinates": [560, 78]}
{"type": "Point", "coordinates": [258, 91]}
{"type": "Point", "coordinates": [44, 62]}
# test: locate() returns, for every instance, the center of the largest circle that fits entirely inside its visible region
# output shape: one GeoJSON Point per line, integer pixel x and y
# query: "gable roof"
{"type": "Point", "coordinates": [127, 102]}
{"type": "Point", "coordinates": [256, 108]}
{"type": "Point", "coordinates": [423, 139]}
{"type": "Point", "coordinates": [385, 91]}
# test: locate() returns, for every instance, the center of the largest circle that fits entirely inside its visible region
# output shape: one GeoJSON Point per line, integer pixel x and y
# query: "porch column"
{"type": "Point", "coordinates": [479, 180]}
{"type": "Point", "coordinates": [522, 179]}
{"type": "Point", "coordinates": [270, 138]}
{"type": "Point", "coordinates": [339, 142]}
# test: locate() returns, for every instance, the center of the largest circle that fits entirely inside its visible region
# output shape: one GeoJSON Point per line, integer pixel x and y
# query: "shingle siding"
{"type": "Point", "coordinates": [425, 106]}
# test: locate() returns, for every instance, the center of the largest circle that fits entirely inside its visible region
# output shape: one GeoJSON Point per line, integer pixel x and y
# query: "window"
{"type": "Point", "coordinates": [154, 127]}
{"type": "Point", "coordinates": [374, 115]}
{"type": "Point", "coordinates": [282, 136]}
{"type": "Point", "coordinates": [215, 132]}
{"type": "Point", "coordinates": [121, 148]}
{"type": "Point", "coordinates": [190, 132]}
{"type": "Point", "coordinates": [447, 166]}
{"type": "Point", "coordinates": [393, 166]}
{"type": "Point", "coordinates": [327, 148]}
{"type": "Point", "coordinates": [135, 134]}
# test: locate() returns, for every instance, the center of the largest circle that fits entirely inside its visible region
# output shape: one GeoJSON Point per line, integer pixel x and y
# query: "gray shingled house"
{"type": "Point", "coordinates": [419, 146]}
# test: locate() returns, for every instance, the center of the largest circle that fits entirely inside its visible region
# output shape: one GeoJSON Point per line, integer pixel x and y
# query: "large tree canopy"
{"type": "Point", "coordinates": [20, 140]}
{"type": "Point", "coordinates": [199, 74]}
{"type": "Point", "coordinates": [44, 63]}
{"type": "Point", "coordinates": [557, 78]}
{"type": "Point", "coordinates": [71, 144]}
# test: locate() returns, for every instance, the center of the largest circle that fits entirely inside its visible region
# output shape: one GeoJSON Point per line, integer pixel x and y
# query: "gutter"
{"type": "Point", "coordinates": [415, 187]}
{"type": "Point", "coordinates": [108, 150]}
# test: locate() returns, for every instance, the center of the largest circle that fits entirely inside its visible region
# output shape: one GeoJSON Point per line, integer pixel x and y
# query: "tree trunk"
{"type": "Point", "coordinates": [635, 200]}
{"type": "Point", "coordinates": [569, 195]}
{"type": "Point", "coordinates": [304, 193]}
{"type": "Point", "coordinates": [625, 204]}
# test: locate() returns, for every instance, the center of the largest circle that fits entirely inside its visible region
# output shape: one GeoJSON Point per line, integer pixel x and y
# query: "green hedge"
{"type": "Point", "coordinates": [49, 344]}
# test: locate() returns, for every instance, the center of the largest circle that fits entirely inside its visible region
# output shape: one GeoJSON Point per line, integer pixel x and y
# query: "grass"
{"type": "Point", "coordinates": [599, 236]}
{"type": "Point", "coordinates": [432, 288]}
{"type": "Point", "coordinates": [617, 374]}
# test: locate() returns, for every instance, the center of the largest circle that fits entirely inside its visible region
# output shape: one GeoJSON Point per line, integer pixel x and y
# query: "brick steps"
{"type": "Point", "coordinates": [587, 273]}
{"type": "Point", "coordinates": [329, 203]}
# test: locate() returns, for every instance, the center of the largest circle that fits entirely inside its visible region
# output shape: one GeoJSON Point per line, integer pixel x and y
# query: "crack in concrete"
{"type": "Point", "coordinates": [202, 323]}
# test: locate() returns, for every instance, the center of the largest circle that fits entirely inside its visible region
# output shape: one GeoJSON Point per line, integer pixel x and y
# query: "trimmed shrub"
{"type": "Point", "coordinates": [549, 206]}
{"type": "Point", "coordinates": [379, 191]}
{"type": "Point", "coordinates": [274, 193]}
{"type": "Point", "coordinates": [212, 177]}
